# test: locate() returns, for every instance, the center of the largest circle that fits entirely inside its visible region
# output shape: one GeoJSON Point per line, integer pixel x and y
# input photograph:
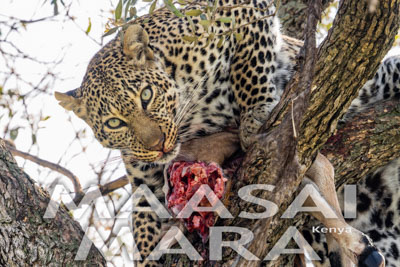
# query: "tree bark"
{"type": "Point", "coordinates": [347, 58]}
{"type": "Point", "coordinates": [26, 238]}
{"type": "Point", "coordinates": [370, 140]}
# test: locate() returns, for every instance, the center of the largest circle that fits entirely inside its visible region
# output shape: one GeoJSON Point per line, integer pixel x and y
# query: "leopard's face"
{"type": "Point", "coordinates": [137, 118]}
{"type": "Point", "coordinates": [129, 106]}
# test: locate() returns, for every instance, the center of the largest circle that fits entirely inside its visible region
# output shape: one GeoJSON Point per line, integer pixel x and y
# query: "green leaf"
{"type": "Point", "coordinates": [191, 24]}
{"type": "Point", "coordinates": [194, 12]}
{"type": "Point", "coordinates": [209, 39]}
{"type": "Point", "coordinates": [132, 11]}
{"type": "Point", "coordinates": [118, 10]}
{"type": "Point", "coordinates": [205, 23]}
{"type": "Point", "coordinates": [182, 2]}
{"type": "Point", "coordinates": [220, 42]}
{"type": "Point", "coordinates": [110, 31]}
{"type": "Point", "coordinates": [213, 9]}
{"type": "Point", "coordinates": [189, 39]}
{"type": "Point", "coordinates": [147, 1]}
{"type": "Point", "coordinates": [14, 134]}
{"type": "Point", "coordinates": [55, 8]}
{"type": "Point", "coordinates": [89, 27]}
{"type": "Point", "coordinates": [238, 37]}
{"type": "Point", "coordinates": [152, 7]}
{"type": "Point", "coordinates": [126, 8]}
{"type": "Point", "coordinates": [172, 8]}
{"type": "Point", "coordinates": [225, 19]}
{"type": "Point", "coordinates": [121, 37]}
{"type": "Point", "coordinates": [45, 118]}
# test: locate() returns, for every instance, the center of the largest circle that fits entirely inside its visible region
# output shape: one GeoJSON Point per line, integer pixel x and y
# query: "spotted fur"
{"type": "Point", "coordinates": [384, 85]}
{"type": "Point", "coordinates": [195, 91]}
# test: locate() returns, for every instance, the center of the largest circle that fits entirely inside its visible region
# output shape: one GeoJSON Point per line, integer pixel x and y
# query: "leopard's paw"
{"type": "Point", "coordinates": [250, 123]}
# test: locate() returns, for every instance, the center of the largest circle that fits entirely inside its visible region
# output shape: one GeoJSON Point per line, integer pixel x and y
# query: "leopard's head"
{"type": "Point", "coordinates": [128, 99]}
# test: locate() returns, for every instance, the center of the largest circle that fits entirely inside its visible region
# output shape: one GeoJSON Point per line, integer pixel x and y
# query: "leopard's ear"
{"type": "Point", "coordinates": [136, 45]}
{"type": "Point", "coordinates": [70, 101]}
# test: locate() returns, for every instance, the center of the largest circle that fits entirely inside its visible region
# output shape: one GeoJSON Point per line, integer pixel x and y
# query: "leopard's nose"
{"type": "Point", "coordinates": [158, 145]}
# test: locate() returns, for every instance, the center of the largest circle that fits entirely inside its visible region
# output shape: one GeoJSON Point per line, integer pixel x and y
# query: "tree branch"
{"type": "Point", "coordinates": [25, 236]}
{"type": "Point", "coordinates": [51, 166]}
{"type": "Point", "coordinates": [365, 143]}
{"type": "Point", "coordinates": [104, 189]}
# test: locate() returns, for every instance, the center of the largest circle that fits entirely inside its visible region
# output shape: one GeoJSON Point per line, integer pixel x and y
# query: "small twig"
{"type": "Point", "coordinates": [104, 189]}
{"type": "Point", "coordinates": [293, 124]}
{"type": "Point", "coordinates": [34, 20]}
{"type": "Point", "coordinates": [228, 7]}
{"type": "Point", "coordinates": [246, 24]}
{"type": "Point", "coordinates": [50, 165]}
{"type": "Point", "coordinates": [114, 185]}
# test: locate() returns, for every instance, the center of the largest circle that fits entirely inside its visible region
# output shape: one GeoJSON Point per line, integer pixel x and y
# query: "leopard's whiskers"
{"type": "Point", "coordinates": [189, 105]}
{"type": "Point", "coordinates": [188, 100]}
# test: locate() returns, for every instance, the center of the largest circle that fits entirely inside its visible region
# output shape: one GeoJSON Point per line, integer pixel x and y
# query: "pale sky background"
{"type": "Point", "coordinates": [47, 41]}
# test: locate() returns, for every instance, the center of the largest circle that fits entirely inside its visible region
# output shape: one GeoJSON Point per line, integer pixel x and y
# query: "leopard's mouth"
{"type": "Point", "coordinates": [171, 148]}
{"type": "Point", "coordinates": [159, 157]}
{"type": "Point", "coordinates": [166, 157]}
{"type": "Point", "coordinates": [166, 153]}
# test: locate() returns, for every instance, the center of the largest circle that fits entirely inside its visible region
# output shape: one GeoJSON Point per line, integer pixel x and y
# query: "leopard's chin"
{"type": "Point", "coordinates": [169, 156]}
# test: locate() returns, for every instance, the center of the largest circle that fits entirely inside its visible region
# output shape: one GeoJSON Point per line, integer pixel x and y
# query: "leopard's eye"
{"type": "Point", "coordinates": [115, 123]}
{"type": "Point", "coordinates": [146, 96]}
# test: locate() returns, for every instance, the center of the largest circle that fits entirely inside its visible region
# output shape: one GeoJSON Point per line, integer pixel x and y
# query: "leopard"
{"type": "Point", "coordinates": [148, 91]}
{"type": "Point", "coordinates": [384, 85]}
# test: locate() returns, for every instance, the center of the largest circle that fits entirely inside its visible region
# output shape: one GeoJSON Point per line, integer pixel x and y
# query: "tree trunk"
{"type": "Point", "coordinates": [26, 238]}
{"type": "Point", "coordinates": [348, 57]}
